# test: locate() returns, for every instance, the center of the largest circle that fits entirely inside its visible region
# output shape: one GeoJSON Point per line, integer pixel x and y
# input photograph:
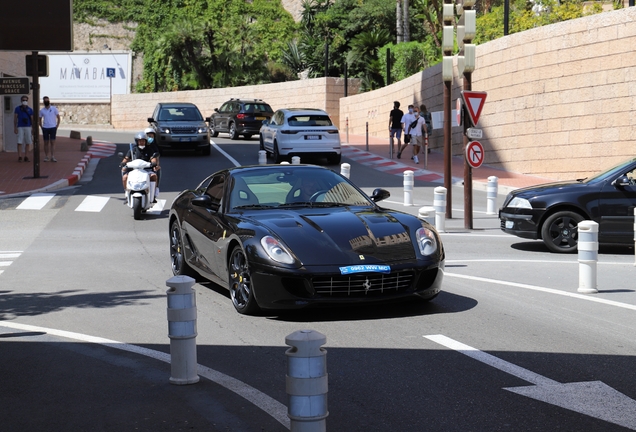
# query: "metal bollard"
{"type": "Point", "coordinates": [295, 160]}
{"type": "Point", "coordinates": [345, 170]}
{"type": "Point", "coordinates": [491, 195]}
{"type": "Point", "coordinates": [588, 256]}
{"type": "Point", "coordinates": [428, 214]}
{"type": "Point", "coordinates": [182, 330]}
{"type": "Point", "coordinates": [408, 187]}
{"type": "Point", "coordinates": [307, 381]}
{"type": "Point", "coordinates": [439, 202]}
{"type": "Point", "coordinates": [262, 157]}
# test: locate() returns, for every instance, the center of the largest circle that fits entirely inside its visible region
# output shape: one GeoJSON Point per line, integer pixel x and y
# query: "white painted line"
{"type": "Point", "coordinates": [230, 158]}
{"type": "Point", "coordinates": [5, 255]}
{"type": "Point", "coordinates": [271, 406]}
{"type": "Point", "coordinates": [491, 360]}
{"type": "Point", "coordinates": [5, 263]}
{"type": "Point", "coordinates": [92, 204]}
{"type": "Point", "coordinates": [545, 290]}
{"type": "Point", "coordinates": [629, 264]}
{"type": "Point", "coordinates": [35, 201]}
{"type": "Point", "coordinates": [157, 208]}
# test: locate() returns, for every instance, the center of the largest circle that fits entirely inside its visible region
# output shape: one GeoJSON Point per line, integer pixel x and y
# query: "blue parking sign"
{"type": "Point", "coordinates": [110, 72]}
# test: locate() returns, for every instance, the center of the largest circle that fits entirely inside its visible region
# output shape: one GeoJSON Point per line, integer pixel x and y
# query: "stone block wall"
{"type": "Point", "coordinates": [561, 98]}
{"type": "Point", "coordinates": [131, 111]}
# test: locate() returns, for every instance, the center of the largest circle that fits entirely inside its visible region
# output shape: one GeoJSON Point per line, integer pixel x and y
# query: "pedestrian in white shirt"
{"type": "Point", "coordinates": [49, 122]}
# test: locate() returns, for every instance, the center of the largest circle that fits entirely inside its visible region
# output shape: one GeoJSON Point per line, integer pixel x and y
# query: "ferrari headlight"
{"type": "Point", "coordinates": [426, 241]}
{"type": "Point", "coordinates": [520, 203]}
{"type": "Point", "coordinates": [276, 251]}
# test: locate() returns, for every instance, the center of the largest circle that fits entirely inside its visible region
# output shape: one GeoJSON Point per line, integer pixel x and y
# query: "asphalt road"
{"type": "Point", "coordinates": [509, 345]}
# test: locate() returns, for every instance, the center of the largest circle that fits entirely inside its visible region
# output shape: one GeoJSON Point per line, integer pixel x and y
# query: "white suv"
{"type": "Point", "coordinates": [300, 132]}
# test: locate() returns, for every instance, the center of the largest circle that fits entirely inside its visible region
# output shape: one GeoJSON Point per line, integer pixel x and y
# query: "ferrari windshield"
{"type": "Point", "coordinates": [289, 186]}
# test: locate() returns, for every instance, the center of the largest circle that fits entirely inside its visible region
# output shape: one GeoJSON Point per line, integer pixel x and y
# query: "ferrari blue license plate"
{"type": "Point", "coordinates": [365, 268]}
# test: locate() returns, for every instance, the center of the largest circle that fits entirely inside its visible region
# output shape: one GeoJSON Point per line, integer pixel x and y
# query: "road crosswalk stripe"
{"type": "Point", "coordinates": [8, 255]}
{"type": "Point", "coordinates": [36, 201]}
{"type": "Point", "coordinates": [92, 204]}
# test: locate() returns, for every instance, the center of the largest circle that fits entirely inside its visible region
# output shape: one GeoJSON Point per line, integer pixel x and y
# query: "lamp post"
{"type": "Point", "coordinates": [447, 76]}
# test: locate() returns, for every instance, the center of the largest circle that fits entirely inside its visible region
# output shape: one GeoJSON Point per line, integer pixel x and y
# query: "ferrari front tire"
{"type": "Point", "coordinates": [240, 283]}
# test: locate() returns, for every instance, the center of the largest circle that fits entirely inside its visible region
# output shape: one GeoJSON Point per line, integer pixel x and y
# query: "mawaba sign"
{"type": "Point", "coordinates": [83, 77]}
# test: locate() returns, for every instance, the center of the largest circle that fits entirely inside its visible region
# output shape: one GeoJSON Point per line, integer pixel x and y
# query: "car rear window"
{"type": "Point", "coordinates": [309, 120]}
{"type": "Point", "coordinates": [257, 107]}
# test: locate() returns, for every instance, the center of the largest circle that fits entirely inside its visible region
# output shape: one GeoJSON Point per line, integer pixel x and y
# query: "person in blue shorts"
{"type": "Point", "coordinates": [49, 122]}
{"type": "Point", "coordinates": [395, 124]}
{"type": "Point", "coordinates": [23, 125]}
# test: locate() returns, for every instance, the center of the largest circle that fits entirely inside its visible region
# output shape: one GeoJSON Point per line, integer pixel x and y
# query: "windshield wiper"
{"type": "Point", "coordinates": [253, 206]}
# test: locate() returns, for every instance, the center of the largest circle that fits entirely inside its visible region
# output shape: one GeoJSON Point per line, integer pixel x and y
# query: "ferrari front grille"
{"type": "Point", "coordinates": [363, 285]}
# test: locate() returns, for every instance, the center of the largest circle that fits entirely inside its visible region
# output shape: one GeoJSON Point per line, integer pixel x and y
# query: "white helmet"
{"type": "Point", "coordinates": [140, 136]}
{"type": "Point", "coordinates": [149, 130]}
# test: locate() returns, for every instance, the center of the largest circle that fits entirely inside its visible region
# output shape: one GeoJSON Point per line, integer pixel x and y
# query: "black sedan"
{"type": "Point", "coordinates": [292, 236]}
{"type": "Point", "coordinates": [552, 211]}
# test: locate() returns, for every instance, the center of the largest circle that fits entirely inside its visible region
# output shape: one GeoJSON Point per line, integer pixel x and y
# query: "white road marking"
{"type": "Point", "coordinates": [545, 290]}
{"type": "Point", "coordinates": [8, 255]}
{"type": "Point", "coordinates": [35, 201]}
{"type": "Point", "coordinates": [535, 261]}
{"type": "Point", "coordinates": [594, 398]}
{"type": "Point", "coordinates": [271, 406]}
{"type": "Point", "coordinates": [92, 204]}
{"type": "Point", "coordinates": [157, 208]}
{"type": "Point", "coordinates": [230, 158]}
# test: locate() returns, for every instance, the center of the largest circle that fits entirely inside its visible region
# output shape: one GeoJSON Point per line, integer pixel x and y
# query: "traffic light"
{"type": "Point", "coordinates": [43, 65]}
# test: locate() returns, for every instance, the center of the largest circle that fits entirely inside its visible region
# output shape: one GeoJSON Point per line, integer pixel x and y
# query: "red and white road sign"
{"type": "Point", "coordinates": [475, 154]}
{"type": "Point", "coordinates": [474, 102]}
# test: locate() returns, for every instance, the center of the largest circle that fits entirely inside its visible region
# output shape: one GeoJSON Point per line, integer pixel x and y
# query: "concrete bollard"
{"type": "Point", "coordinates": [182, 330]}
{"type": "Point", "coordinates": [307, 381]}
{"type": "Point", "coordinates": [588, 256]}
{"type": "Point", "coordinates": [428, 214]}
{"type": "Point", "coordinates": [408, 187]}
{"type": "Point", "coordinates": [262, 157]}
{"type": "Point", "coordinates": [491, 195]}
{"type": "Point", "coordinates": [345, 170]}
{"type": "Point", "coordinates": [89, 140]}
{"type": "Point", "coordinates": [75, 135]}
{"type": "Point", "coordinates": [439, 202]}
{"type": "Point", "coordinates": [295, 160]}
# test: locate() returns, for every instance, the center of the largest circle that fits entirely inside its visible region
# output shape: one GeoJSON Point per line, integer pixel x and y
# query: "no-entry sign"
{"type": "Point", "coordinates": [474, 154]}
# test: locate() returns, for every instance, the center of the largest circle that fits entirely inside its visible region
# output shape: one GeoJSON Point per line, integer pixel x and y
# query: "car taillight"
{"type": "Point", "coordinates": [240, 116]}
{"type": "Point", "coordinates": [333, 131]}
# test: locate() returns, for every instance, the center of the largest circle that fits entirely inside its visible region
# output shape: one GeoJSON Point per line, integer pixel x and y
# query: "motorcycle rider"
{"type": "Point", "coordinates": [154, 146]}
{"type": "Point", "coordinates": [140, 151]}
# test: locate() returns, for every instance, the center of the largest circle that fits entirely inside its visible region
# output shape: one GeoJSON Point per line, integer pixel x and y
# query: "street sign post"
{"type": "Point", "coordinates": [474, 154]}
{"type": "Point", "coordinates": [14, 86]}
{"type": "Point", "coordinates": [474, 102]}
{"type": "Point", "coordinates": [110, 73]}
{"type": "Point", "coordinates": [459, 112]}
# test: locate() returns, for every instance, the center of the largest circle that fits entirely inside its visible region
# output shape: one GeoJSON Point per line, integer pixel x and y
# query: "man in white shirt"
{"type": "Point", "coordinates": [49, 122]}
{"type": "Point", "coordinates": [416, 129]}
{"type": "Point", "coordinates": [407, 119]}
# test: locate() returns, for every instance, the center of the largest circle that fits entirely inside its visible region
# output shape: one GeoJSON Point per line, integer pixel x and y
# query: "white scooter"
{"type": "Point", "coordinates": [140, 191]}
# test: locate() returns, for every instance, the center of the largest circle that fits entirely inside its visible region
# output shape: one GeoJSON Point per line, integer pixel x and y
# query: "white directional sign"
{"type": "Point", "coordinates": [474, 133]}
{"type": "Point", "coordinates": [592, 398]}
{"type": "Point", "coordinates": [474, 102]}
{"type": "Point", "coordinates": [475, 154]}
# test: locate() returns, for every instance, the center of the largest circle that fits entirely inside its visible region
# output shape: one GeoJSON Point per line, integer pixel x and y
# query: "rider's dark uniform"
{"type": "Point", "coordinates": [147, 153]}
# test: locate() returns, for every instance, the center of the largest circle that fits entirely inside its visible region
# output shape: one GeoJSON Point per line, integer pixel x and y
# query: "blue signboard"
{"type": "Point", "coordinates": [110, 72]}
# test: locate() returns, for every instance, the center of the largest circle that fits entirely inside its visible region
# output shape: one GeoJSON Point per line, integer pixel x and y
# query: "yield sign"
{"type": "Point", "coordinates": [474, 102]}
{"type": "Point", "coordinates": [474, 154]}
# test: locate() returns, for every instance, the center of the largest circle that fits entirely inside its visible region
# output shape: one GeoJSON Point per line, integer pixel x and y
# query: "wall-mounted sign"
{"type": "Point", "coordinates": [84, 77]}
{"type": "Point", "coordinates": [14, 86]}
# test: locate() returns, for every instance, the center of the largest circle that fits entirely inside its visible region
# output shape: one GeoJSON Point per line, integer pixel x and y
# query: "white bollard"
{"type": "Point", "coordinates": [284, 163]}
{"type": "Point", "coordinates": [439, 202]}
{"type": "Point", "coordinates": [428, 214]}
{"type": "Point", "coordinates": [182, 330]}
{"type": "Point", "coordinates": [588, 256]}
{"type": "Point", "coordinates": [345, 170]}
{"type": "Point", "coordinates": [491, 195]}
{"type": "Point", "coordinates": [408, 187]}
{"type": "Point", "coordinates": [262, 157]}
{"type": "Point", "coordinates": [307, 381]}
{"type": "Point", "coordinates": [295, 160]}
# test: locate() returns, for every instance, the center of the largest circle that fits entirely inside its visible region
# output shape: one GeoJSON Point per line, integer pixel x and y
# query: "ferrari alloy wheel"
{"type": "Point", "coordinates": [240, 282]}
{"type": "Point", "coordinates": [560, 231]}
{"type": "Point", "coordinates": [177, 258]}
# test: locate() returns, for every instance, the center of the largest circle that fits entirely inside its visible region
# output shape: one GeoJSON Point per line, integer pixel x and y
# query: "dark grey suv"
{"type": "Point", "coordinates": [180, 126]}
{"type": "Point", "coordinates": [240, 117]}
